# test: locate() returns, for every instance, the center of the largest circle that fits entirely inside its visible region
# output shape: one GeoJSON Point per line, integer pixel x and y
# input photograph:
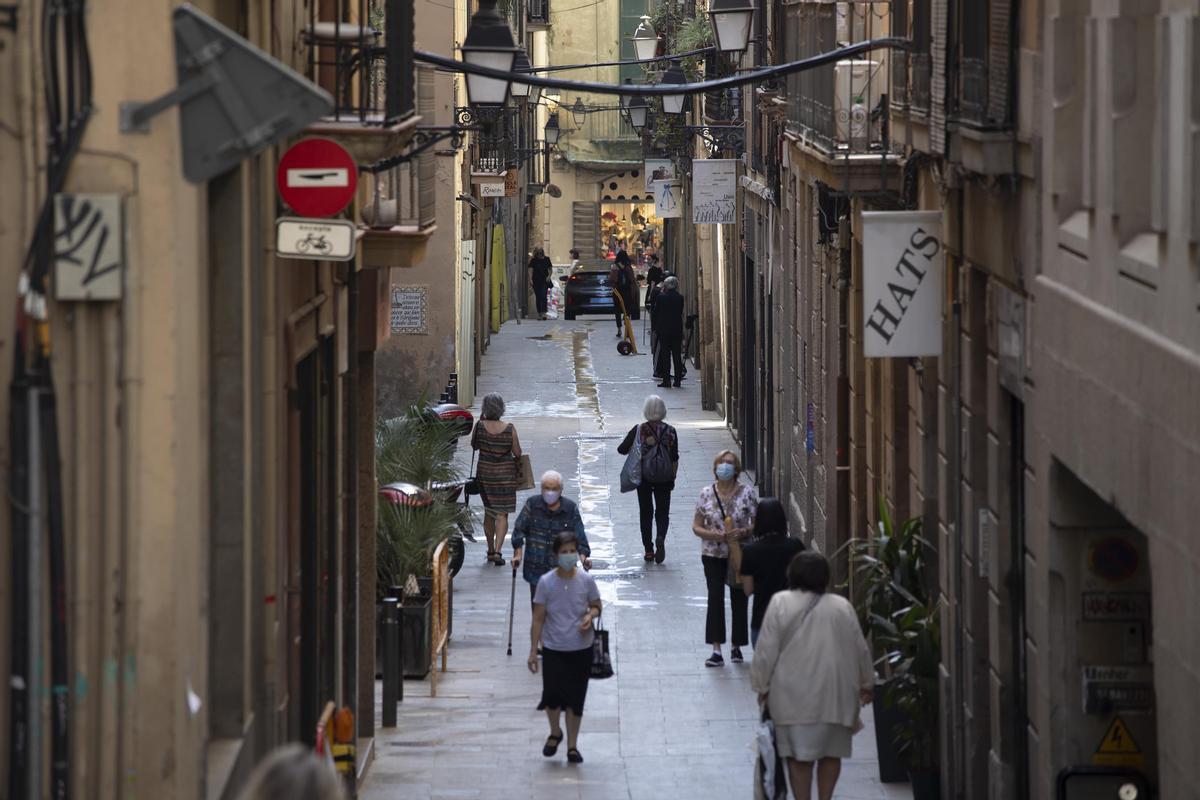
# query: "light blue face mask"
{"type": "Point", "coordinates": [568, 560]}
{"type": "Point", "coordinates": [724, 471]}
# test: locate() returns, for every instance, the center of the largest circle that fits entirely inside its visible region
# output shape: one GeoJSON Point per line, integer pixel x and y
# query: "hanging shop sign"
{"type": "Point", "coordinates": [657, 169]}
{"type": "Point", "coordinates": [668, 199]}
{"type": "Point", "coordinates": [714, 191]}
{"type": "Point", "coordinates": [903, 265]}
{"type": "Point", "coordinates": [315, 239]}
{"type": "Point", "coordinates": [492, 189]}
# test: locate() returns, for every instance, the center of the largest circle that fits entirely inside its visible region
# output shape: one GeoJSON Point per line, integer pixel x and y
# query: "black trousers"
{"type": "Point", "coordinates": [715, 570]}
{"type": "Point", "coordinates": [654, 503]}
{"type": "Point", "coordinates": [539, 293]}
{"type": "Point", "coordinates": [670, 348]}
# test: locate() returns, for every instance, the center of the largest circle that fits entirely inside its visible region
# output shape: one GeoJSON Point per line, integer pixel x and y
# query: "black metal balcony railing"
{"type": "Point", "coordinates": [840, 107]}
{"type": "Point", "coordinates": [363, 55]}
{"type": "Point", "coordinates": [921, 66]}
{"type": "Point", "coordinates": [973, 94]}
{"type": "Point", "coordinates": [538, 12]}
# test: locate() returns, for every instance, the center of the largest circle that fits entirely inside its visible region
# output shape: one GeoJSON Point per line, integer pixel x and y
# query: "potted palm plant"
{"type": "Point", "coordinates": [416, 451]}
{"type": "Point", "coordinates": [887, 570]}
{"type": "Point", "coordinates": [915, 639]}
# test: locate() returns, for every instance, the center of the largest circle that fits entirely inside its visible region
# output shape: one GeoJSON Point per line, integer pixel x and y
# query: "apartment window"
{"type": "Point", "coordinates": [972, 67]}
{"type": "Point", "coordinates": [631, 12]}
{"type": "Point", "coordinates": [1133, 82]}
{"type": "Point", "coordinates": [919, 60]}
{"type": "Point", "coordinates": [1071, 107]}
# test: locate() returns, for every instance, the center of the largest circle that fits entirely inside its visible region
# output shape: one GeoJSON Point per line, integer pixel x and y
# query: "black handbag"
{"type": "Point", "coordinates": [473, 485]}
{"type": "Point", "coordinates": [601, 660]}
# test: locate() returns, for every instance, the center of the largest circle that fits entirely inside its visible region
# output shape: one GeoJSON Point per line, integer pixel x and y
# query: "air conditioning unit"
{"type": "Point", "coordinates": [858, 86]}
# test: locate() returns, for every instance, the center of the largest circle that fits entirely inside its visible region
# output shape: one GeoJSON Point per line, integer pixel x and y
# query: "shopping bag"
{"type": "Point", "coordinates": [601, 660]}
{"type": "Point", "coordinates": [770, 782]}
{"type": "Point", "coordinates": [524, 472]}
{"type": "Point", "coordinates": [631, 473]}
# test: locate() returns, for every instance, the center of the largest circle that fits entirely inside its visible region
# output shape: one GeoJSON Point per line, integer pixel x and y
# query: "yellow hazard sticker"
{"type": "Point", "coordinates": [1118, 748]}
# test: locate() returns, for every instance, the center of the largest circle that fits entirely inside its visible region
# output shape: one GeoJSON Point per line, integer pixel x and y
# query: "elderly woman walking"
{"type": "Point", "coordinates": [565, 604]}
{"type": "Point", "coordinates": [724, 518]}
{"type": "Point", "coordinates": [659, 466]}
{"type": "Point", "coordinates": [542, 519]}
{"type": "Point", "coordinates": [499, 448]}
{"type": "Point", "coordinates": [812, 668]}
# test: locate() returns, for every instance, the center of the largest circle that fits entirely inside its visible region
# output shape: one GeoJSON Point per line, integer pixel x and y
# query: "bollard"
{"type": "Point", "coordinates": [392, 669]}
{"type": "Point", "coordinates": [453, 387]}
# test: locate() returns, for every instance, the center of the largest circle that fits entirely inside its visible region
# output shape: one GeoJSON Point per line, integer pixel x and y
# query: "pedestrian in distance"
{"type": "Point", "coordinates": [660, 465]}
{"type": "Point", "coordinates": [652, 293]}
{"type": "Point", "coordinates": [668, 324]}
{"type": "Point", "coordinates": [576, 262]}
{"type": "Point", "coordinates": [812, 669]}
{"type": "Point", "coordinates": [499, 451]}
{"type": "Point", "coordinates": [540, 269]}
{"type": "Point", "coordinates": [293, 772]}
{"type": "Point", "coordinates": [566, 604]}
{"type": "Point", "coordinates": [623, 279]}
{"type": "Point", "coordinates": [654, 276]}
{"type": "Point", "coordinates": [543, 517]}
{"type": "Point", "coordinates": [765, 560]}
{"type": "Point", "coordinates": [725, 514]}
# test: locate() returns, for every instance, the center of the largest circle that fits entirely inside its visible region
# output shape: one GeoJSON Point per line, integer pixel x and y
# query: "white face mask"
{"type": "Point", "coordinates": [551, 496]}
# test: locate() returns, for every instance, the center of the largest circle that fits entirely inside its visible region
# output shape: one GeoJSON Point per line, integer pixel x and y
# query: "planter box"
{"type": "Point", "coordinates": [892, 768]}
{"type": "Point", "coordinates": [926, 785]}
{"type": "Point", "coordinates": [416, 631]}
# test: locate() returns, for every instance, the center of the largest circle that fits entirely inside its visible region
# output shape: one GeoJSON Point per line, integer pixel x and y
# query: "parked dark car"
{"type": "Point", "coordinates": [587, 292]}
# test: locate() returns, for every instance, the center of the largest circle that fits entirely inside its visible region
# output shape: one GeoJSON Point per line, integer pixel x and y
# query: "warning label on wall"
{"type": "Point", "coordinates": [1118, 748]}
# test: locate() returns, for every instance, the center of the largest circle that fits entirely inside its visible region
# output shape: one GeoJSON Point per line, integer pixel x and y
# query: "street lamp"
{"type": "Point", "coordinates": [489, 43]}
{"type": "Point", "coordinates": [625, 100]}
{"type": "Point", "coordinates": [552, 130]}
{"type": "Point", "coordinates": [521, 65]}
{"type": "Point", "coordinates": [645, 40]}
{"type": "Point", "coordinates": [673, 103]}
{"type": "Point", "coordinates": [731, 20]}
{"type": "Point", "coordinates": [638, 109]}
{"type": "Point", "coordinates": [579, 112]}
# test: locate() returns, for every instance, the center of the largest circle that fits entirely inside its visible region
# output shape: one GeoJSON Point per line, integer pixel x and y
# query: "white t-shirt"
{"type": "Point", "coordinates": [566, 601]}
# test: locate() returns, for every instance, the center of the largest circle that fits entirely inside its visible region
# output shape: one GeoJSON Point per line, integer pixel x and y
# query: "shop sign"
{"type": "Point", "coordinates": [1125, 689]}
{"type": "Point", "coordinates": [903, 264]}
{"type": "Point", "coordinates": [492, 189]}
{"type": "Point", "coordinates": [1116, 606]}
{"type": "Point", "coordinates": [409, 307]}
{"type": "Point", "coordinates": [714, 191]}
{"type": "Point", "coordinates": [657, 169]}
{"type": "Point", "coordinates": [668, 199]}
{"type": "Point", "coordinates": [510, 183]}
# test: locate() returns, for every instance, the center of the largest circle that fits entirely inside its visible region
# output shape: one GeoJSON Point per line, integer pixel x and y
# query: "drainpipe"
{"type": "Point", "coordinates": [955, 346]}
{"type": "Point", "coordinates": [843, 390]}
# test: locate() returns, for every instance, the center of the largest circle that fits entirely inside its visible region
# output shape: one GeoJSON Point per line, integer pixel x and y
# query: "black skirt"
{"type": "Point", "coordinates": [565, 675]}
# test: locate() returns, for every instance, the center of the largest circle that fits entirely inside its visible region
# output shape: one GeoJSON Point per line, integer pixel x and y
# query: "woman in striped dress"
{"type": "Point", "coordinates": [499, 448]}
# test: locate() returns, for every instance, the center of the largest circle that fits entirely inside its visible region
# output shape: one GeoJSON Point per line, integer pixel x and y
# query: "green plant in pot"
{"type": "Point", "coordinates": [914, 636]}
{"type": "Point", "coordinates": [888, 572]}
{"type": "Point", "coordinates": [416, 449]}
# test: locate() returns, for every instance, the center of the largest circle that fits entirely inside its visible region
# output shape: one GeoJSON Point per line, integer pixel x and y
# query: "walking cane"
{"type": "Point", "coordinates": [512, 606]}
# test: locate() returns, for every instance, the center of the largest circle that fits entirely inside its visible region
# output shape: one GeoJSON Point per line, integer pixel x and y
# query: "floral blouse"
{"type": "Point", "coordinates": [742, 507]}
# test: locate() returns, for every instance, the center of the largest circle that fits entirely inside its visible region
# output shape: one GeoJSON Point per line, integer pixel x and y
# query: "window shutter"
{"type": "Point", "coordinates": [1000, 55]}
{"type": "Point", "coordinates": [586, 228]}
{"type": "Point", "coordinates": [937, 83]}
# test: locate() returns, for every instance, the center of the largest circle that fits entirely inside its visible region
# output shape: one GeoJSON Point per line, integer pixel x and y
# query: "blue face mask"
{"type": "Point", "coordinates": [568, 561]}
{"type": "Point", "coordinates": [724, 471]}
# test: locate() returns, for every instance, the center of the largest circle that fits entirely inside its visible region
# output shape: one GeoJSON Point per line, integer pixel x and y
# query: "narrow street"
{"type": "Point", "coordinates": [664, 726]}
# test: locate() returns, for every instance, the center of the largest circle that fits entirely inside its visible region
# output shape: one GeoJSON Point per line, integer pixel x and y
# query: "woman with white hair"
{"type": "Point", "coordinates": [659, 466]}
{"type": "Point", "coordinates": [499, 448]}
{"type": "Point", "coordinates": [292, 772]}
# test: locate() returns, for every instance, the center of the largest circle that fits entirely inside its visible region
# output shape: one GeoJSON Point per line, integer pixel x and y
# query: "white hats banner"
{"type": "Point", "coordinates": [668, 199]}
{"type": "Point", "coordinates": [903, 273]}
{"type": "Point", "coordinates": [714, 191]}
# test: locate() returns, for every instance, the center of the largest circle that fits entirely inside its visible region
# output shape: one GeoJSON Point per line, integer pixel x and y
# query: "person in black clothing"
{"type": "Point", "coordinates": [654, 492]}
{"type": "Point", "coordinates": [623, 278]}
{"type": "Point", "coordinates": [765, 562]}
{"type": "Point", "coordinates": [668, 324]}
{"type": "Point", "coordinates": [540, 269]}
{"type": "Point", "coordinates": [654, 276]}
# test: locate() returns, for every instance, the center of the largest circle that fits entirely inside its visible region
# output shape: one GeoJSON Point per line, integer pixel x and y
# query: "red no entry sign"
{"type": "Point", "coordinates": [317, 178]}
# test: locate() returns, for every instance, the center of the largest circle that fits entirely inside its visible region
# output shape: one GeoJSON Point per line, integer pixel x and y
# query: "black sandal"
{"type": "Point", "coordinates": [550, 749]}
{"type": "Point", "coordinates": [574, 756]}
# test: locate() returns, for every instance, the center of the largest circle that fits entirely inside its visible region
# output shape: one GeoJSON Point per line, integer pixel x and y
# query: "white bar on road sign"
{"type": "Point", "coordinates": [316, 239]}
{"type": "Point", "coordinates": [317, 177]}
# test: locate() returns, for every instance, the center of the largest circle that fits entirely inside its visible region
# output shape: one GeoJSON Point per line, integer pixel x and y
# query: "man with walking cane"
{"type": "Point", "coordinates": [543, 517]}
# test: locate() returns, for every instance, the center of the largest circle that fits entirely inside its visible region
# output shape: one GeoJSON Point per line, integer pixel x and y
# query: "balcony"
{"type": "Point", "coordinates": [361, 52]}
{"type": "Point", "coordinates": [838, 113]}
{"type": "Point", "coordinates": [538, 15]}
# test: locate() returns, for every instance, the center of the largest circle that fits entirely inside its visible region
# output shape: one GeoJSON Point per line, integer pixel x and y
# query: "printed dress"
{"type": "Point", "coordinates": [497, 468]}
{"type": "Point", "coordinates": [742, 507]}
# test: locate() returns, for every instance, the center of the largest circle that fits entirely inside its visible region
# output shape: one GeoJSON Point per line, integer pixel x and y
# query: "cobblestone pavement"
{"type": "Point", "coordinates": [665, 726]}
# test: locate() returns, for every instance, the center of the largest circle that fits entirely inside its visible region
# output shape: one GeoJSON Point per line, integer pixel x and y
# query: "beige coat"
{"type": "Point", "coordinates": [818, 676]}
